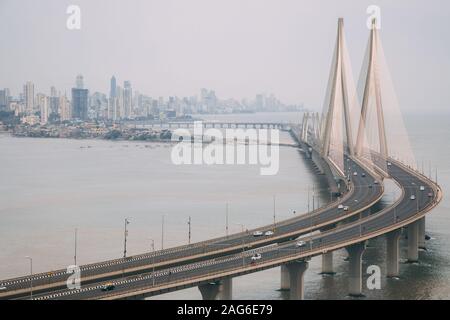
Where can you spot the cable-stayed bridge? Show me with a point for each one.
(352, 145)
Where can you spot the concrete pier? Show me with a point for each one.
(296, 279)
(413, 242)
(210, 291)
(421, 223)
(355, 253)
(393, 253)
(284, 283)
(327, 263)
(226, 289)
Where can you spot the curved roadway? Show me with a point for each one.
(359, 198)
(403, 213)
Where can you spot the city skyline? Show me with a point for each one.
(123, 102)
(175, 48)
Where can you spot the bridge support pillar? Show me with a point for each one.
(393, 253)
(422, 233)
(296, 275)
(413, 242)
(284, 285)
(355, 253)
(327, 263)
(209, 291)
(226, 289)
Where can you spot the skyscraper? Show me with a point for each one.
(80, 103)
(4, 99)
(127, 99)
(64, 108)
(28, 92)
(79, 82)
(43, 105)
(112, 92)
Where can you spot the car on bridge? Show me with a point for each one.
(422, 188)
(300, 244)
(257, 233)
(341, 206)
(413, 197)
(108, 287)
(346, 208)
(256, 257)
(268, 233)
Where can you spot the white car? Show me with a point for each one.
(413, 197)
(256, 256)
(268, 233)
(375, 182)
(346, 208)
(300, 244)
(341, 206)
(389, 164)
(257, 233)
(2, 288)
(422, 188)
(355, 173)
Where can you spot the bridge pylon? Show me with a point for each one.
(336, 128)
(372, 96)
(381, 131)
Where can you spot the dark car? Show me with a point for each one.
(108, 287)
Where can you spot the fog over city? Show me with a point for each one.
(238, 48)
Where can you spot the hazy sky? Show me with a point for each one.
(237, 47)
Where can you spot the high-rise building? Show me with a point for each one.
(43, 105)
(80, 103)
(127, 99)
(53, 92)
(112, 92)
(4, 99)
(79, 82)
(64, 108)
(119, 112)
(28, 92)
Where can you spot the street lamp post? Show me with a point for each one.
(125, 233)
(313, 198)
(189, 224)
(162, 233)
(31, 276)
(153, 261)
(75, 253)
(308, 198)
(274, 212)
(226, 219)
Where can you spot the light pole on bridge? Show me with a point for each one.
(162, 233)
(274, 212)
(153, 261)
(125, 233)
(75, 253)
(31, 276)
(226, 219)
(189, 235)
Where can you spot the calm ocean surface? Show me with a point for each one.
(49, 187)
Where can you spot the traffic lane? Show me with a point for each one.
(117, 265)
(406, 205)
